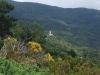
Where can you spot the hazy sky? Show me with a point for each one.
(94, 4)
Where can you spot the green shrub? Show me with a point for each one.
(10, 67)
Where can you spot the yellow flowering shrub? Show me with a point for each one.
(59, 58)
(10, 39)
(9, 48)
(48, 57)
(9, 43)
(33, 46)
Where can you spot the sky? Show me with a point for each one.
(92, 4)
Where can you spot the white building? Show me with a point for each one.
(50, 34)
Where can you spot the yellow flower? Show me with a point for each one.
(59, 58)
(14, 40)
(36, 50)
(48, 57)
(7, 39)
(11, 39)
(35, 47)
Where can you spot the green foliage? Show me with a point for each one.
(1, 43)
(29, 32)
(5, 7)
(69, 59)
(68, 66)
(10, 67)
(58, 47)
(74, 66)
(72, 53)
(90, 54)
(6, 22)
(39, 35)
(73, 25)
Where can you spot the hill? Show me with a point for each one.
(79, 26)
(27, 50)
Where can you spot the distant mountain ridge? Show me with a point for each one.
(80, 26)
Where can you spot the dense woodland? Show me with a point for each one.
(27, 49)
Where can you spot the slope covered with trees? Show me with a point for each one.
(28, 50)
(79, 26)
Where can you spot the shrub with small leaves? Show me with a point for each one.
(10, 67)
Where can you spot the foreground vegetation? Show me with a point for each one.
(25, 49)
(10, 67)
(29, 58)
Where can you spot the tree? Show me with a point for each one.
(6, 22)
(72, 53)
(38, 33)
(29, 32)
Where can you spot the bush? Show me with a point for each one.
(10, 67)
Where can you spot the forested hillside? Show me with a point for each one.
(27, 49)
(79, 26)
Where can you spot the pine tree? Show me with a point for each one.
(6, 22)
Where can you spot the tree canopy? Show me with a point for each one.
(6, 21)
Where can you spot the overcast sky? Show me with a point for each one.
(94, 4)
